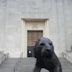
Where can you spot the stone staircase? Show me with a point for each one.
(66, 65)
(27, 65)
(8, 65)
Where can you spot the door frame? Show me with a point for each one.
(24, 33)
(30, 48)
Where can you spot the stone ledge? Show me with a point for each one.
(3, 57)
(68, 56)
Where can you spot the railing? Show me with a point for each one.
(18, 63)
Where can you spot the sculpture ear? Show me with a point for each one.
(51, 43)
(52, 46)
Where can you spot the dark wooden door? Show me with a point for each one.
(32, 37)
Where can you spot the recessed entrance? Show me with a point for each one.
(32, 30)
(32, 37)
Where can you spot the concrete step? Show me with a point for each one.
(27, 65)
(8, 65)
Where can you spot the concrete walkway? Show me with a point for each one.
(27, 65)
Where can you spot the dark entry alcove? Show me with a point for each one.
(32, 37)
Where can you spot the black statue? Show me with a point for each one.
(45, 56)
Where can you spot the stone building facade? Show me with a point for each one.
(18, 17)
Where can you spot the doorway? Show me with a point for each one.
(32, 37)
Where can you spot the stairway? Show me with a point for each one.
(27, 65)
(66, 65)
(8, 65)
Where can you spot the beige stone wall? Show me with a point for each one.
(59, 13)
